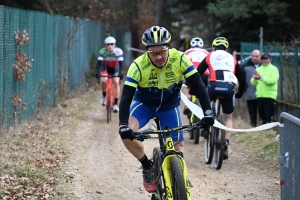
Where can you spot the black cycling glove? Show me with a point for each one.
(121, 76)
(126, 133)
(208, 119)
(97, 76)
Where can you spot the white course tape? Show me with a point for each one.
(199, 113)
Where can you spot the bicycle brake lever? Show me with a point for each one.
(198, 124)
(142, 137)
(192, 127)
(146, 136)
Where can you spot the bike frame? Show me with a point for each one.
(168, 150)
(109, 91)
(193, 99)
(167, 155)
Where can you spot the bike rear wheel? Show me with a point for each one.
(196, 132)
(219, 146)
(159, 193)
(108, 109)
(191, 134)
(177, 180)
(209, 147)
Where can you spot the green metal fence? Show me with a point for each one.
(62, 49)
(286, 59)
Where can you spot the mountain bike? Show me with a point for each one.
(170, 168)
(215, 140)
(194, 134)
(109, 98)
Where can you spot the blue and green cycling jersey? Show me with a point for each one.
(159, 88)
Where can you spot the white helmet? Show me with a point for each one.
(110, 40)
(197, 42)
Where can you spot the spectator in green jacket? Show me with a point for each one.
(265, 78)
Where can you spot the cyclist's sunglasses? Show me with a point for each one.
(161, 52)
(110, 44)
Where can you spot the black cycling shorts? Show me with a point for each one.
(113, 71)
(219, 89)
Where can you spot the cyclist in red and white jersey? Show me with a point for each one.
(225, 74)
(196, 54)
(110, 62)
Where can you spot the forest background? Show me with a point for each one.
(238, 20)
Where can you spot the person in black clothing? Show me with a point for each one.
(249, 68)
(184, 43)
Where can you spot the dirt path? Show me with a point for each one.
(103, 169)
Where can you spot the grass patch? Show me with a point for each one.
(261, 147)
(34, 158)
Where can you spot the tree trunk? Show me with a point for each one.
(158, 12)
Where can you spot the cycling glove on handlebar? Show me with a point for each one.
(126, 133)
(208, 119)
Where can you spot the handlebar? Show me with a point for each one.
(142, 135)
(108, 76)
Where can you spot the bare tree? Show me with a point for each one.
(158, 11)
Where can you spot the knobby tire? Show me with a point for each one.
(209, 147)
(196, 132)
(177, 180)
(160, 185)
(108, 109)
(220, 146)
(191, 134)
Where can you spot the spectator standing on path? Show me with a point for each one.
(265, 78)
(249, 68)
(184, 43)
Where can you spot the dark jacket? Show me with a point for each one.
(249, 69)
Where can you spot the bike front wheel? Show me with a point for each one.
(196, 132)
(157, 163)
(177, 180)
(191, 133)
(219, 146)
(209, 147)
(108, 108)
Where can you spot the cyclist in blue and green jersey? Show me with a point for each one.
(110, 61)
(154, 82)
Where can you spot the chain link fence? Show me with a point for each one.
(59, 50)
(289, 158)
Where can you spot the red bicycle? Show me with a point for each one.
(109, 98)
